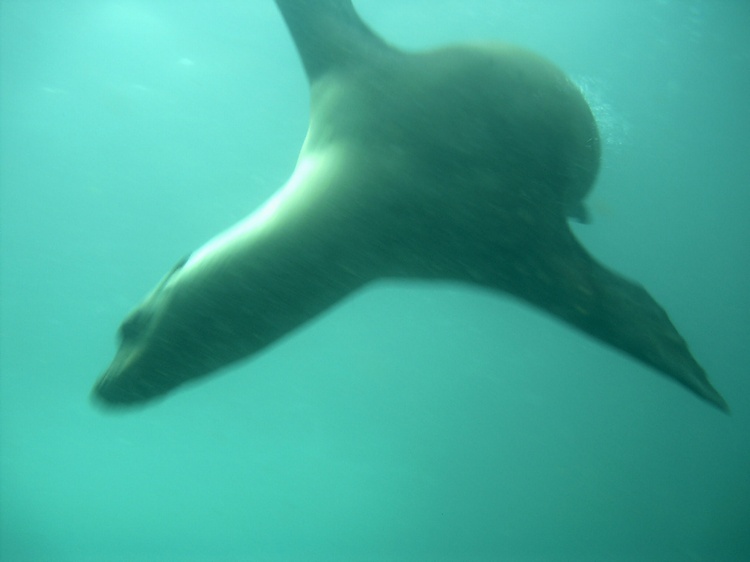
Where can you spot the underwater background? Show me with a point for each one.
(415, 421)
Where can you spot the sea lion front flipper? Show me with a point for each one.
(328, 34)
(569, 283)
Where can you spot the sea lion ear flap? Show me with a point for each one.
(329, 34)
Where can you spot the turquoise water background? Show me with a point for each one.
(415, 421)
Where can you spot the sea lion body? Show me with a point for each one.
(461, 163)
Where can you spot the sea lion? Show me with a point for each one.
(462, 163)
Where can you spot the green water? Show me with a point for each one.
(414, 421)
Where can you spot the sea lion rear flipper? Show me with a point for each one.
(579, 213)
